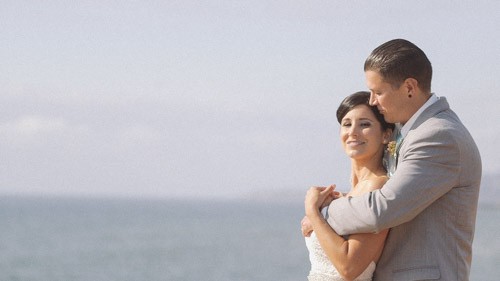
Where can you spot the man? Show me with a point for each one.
(430, 202)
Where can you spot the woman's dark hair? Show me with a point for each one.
(361, 98)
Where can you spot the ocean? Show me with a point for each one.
(50, 239)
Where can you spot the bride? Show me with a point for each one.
(364, 135)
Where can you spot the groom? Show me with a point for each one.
(430, 202)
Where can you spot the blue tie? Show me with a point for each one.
(399, 140)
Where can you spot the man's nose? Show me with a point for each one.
(372, 100)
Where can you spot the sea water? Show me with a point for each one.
(49, 239)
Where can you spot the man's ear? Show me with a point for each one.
(411, 85)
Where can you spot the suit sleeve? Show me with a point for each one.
(428, 168)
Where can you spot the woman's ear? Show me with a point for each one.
(386, 136)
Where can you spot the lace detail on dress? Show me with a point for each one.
(321, 267)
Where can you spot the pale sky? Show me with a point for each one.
(216, 98)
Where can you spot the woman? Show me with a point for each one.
(364, 135)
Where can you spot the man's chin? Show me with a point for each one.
(388, 119)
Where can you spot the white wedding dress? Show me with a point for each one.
(322, 268)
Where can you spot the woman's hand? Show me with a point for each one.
(306, 227)
(317, 198)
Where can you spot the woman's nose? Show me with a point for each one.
(353, 130)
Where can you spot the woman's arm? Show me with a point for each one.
(349, 256)
(352, 256)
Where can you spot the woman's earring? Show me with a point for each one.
(409, 95)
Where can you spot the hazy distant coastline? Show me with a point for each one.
(488, 196)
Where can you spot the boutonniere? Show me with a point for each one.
(391, 148)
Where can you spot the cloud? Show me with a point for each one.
(31, 126)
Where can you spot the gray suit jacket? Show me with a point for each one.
(430, 203)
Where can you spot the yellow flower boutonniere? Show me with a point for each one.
(391, 148)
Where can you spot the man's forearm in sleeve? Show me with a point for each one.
(352, 215)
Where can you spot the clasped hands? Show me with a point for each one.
(317, 197)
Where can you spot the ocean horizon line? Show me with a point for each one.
(291, 200)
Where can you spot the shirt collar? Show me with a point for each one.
(407, 126)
